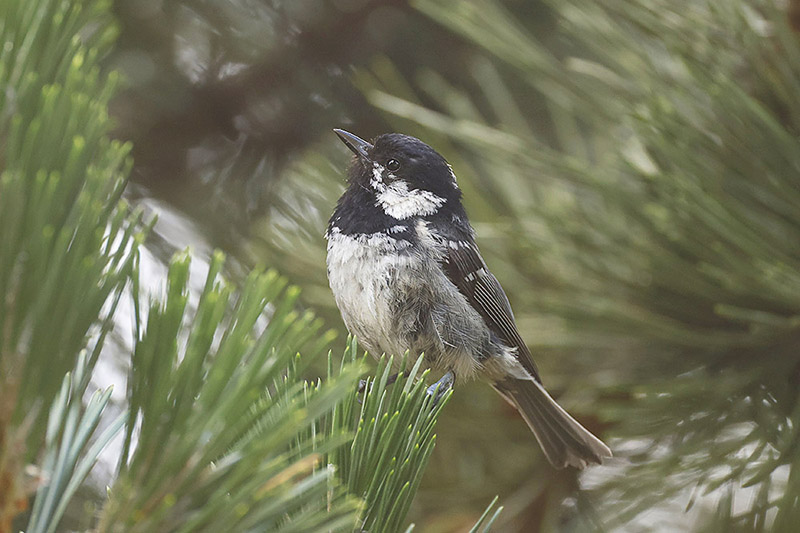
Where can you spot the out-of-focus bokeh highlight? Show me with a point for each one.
(630, 167)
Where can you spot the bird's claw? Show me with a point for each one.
(438, 389)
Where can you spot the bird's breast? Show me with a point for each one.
(394, 297)
(367, 273)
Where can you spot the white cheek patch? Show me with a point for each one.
(399, 202)
(377, 177)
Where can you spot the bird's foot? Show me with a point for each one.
(438, 389)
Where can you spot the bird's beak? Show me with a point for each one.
(359, 146)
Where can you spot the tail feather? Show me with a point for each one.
(564, 441)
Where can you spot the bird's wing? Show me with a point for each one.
(467, 270)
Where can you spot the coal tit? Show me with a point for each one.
(407, 276)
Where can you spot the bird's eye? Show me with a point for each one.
(393, 164)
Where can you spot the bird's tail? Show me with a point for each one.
(563, 440)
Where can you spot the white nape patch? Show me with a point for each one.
(453, 175)
(400, 202)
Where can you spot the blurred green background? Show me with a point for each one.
(631, 169)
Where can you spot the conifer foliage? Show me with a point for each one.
(66, 246)
(222, 432)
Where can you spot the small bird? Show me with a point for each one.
(407, 276)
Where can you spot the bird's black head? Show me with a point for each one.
(407, 177)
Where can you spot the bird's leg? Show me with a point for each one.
(362, 383)
(444, 384)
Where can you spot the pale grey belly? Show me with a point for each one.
(395, 303)
(363, 277)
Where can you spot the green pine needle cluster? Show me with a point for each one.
(221, 430)
(393, 440)
(67, 246)
(215, 447)
(68, 457)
